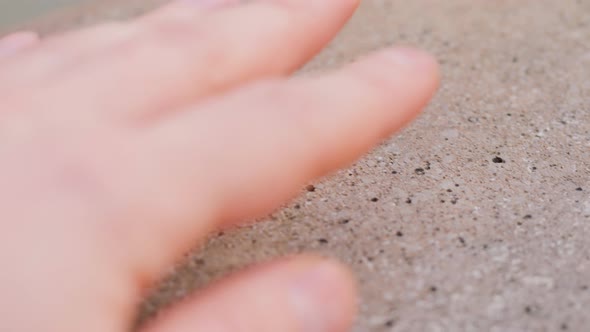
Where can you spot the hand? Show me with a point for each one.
(124, 144)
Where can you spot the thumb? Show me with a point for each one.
(303, 294)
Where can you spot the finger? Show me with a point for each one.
(243, 155)
(17, 42)
(300, 295)
(75, 48)
(185, 59)
(175, 58)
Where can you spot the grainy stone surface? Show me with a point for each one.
(477, 216)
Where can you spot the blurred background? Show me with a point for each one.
(14, 11)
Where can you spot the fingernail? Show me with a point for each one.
(211, 4)
(408, 56)
(319, 298)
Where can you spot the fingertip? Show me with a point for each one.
(424, 63)
(333, 289)
(419, 66)
(321, 293)
(403, 80)
(296, 294)
(18, 41)
(424, 69)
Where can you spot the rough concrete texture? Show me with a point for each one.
(477, 216)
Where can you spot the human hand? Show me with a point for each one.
(124, 144)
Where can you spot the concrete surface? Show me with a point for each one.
(441, 237)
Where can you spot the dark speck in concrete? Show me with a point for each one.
(420, 171)
(433, 289)
(564, 327)
(394, 172)
(528, 216)
(297, 206)
(344, 221)
(528, 309)
(462, 240)
(409, 201)
(498, 160)
(389, 323)
(399, 234)
(323, 241)
(374, 199)
(310, 188)
(579, 189)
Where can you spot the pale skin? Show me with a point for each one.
(125, 144)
